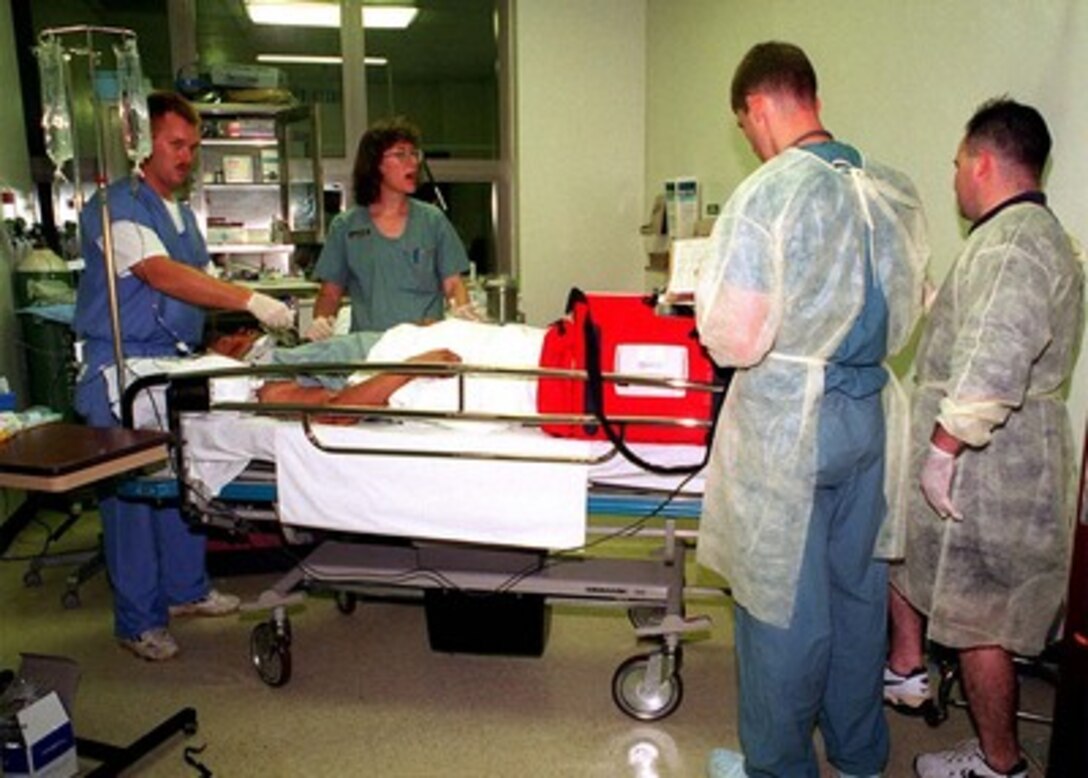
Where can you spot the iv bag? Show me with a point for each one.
(56, 113)
(135, 126)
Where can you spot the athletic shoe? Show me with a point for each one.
(155, 645)
(212, 604)
(724, 763)
(964, 761)
(907, 693)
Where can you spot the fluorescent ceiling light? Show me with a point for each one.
(389, 17)
(315, 59)
(295, 14)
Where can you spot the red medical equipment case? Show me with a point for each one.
(625, 333)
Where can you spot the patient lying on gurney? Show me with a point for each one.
(367, 389)
(448, 342)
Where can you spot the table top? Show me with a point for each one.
(60, 456)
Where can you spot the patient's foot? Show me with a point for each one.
(214, 603)
(154, 645)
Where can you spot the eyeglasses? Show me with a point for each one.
(403, 155)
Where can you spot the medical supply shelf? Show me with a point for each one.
(259, 190)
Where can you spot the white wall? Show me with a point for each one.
(899, 79)
(580, 150)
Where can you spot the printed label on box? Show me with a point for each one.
(50, 750)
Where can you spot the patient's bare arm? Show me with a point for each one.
(290, 392)
(374, 392)
(377, 390)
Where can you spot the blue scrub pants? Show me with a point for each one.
(153, 558)
(826, 668)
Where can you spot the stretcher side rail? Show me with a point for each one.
(411, 414)
(431, 370)
(191, 391)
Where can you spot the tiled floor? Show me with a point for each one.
(369, 698)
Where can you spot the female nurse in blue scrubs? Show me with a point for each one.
(398, 259)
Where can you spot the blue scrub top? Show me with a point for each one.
(392, 281)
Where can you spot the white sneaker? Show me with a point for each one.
(213, 603)
(155, 645)
(964, 761)
(907, 693)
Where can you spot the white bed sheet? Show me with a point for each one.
(540, 505)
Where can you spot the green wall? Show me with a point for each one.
(898, 79)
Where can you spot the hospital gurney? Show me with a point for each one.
(347, 486)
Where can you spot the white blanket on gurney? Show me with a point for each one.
(535, 504)
(511, 345)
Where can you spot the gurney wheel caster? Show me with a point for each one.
(346, 602)
(270, 653)
(70, 600)
(637, 696)
(32, 578)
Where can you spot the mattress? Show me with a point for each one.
(423, 480)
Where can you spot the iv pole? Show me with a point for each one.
(101, 175)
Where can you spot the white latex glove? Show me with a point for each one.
(938, 472)
(270, 312)
(320, 328)
(467, 312)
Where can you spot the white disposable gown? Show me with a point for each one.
(998, 346)
(782, 287)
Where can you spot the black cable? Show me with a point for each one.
(189, 756)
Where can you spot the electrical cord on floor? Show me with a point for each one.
(190, 755)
